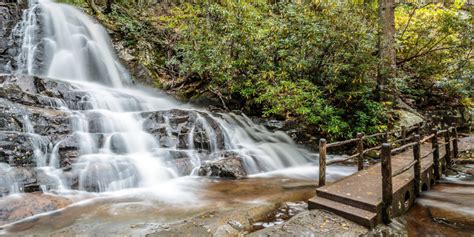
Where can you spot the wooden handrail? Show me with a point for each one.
(331, 162)
(442, 131)
(374, 135)
(427, 138)
(450, 135)
(404, 169)
(402, 148)
(403, 139)
(345, 142)
(428, 154)
(373, 148)
(334, 144)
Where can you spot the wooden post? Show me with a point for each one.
(417, 167)
(455, 143)
(386, 182)
(360, 150)
(418, 129)
(447, 157)
(322, 162)
(385, 137)
(404, 135)
(435, 146)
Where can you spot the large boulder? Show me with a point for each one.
(408, 119)
(229, 165)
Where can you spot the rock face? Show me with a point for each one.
(185, 129)
(30, 124)
(10, 14)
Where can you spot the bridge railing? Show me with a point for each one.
(450, 137)
(400, 137)
(414, 141)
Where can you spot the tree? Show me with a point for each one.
(387, 69)
(93, 7)
(108, 6)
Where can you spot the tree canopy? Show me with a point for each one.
(316, 62)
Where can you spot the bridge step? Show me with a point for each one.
(322, 192)
(359, 216)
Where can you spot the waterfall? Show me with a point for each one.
(115, 124)
(69, 44)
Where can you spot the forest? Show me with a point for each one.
(335, 66)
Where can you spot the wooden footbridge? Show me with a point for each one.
(409, 165)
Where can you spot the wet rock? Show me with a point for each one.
(94, 174)
(117, 144)
(15, 208)
(229, 166)
(184, 166)
(185, 129)
(55, 127)
(314, 222)
(274, 124)
(42, 92)
(10, 15)
(69, 148)
(236, 225)
(17, 148)
(14, 179)
(372, 154)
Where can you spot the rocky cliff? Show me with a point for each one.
(10, 14)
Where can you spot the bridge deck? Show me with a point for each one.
(363, 189)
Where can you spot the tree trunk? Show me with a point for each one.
(93, 7)
(386, 47)
(108, 7)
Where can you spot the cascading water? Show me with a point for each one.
(70, 45)
(113, 124)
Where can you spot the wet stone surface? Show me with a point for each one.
(227, 165)
(174, 128)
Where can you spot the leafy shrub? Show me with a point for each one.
(317, 66)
